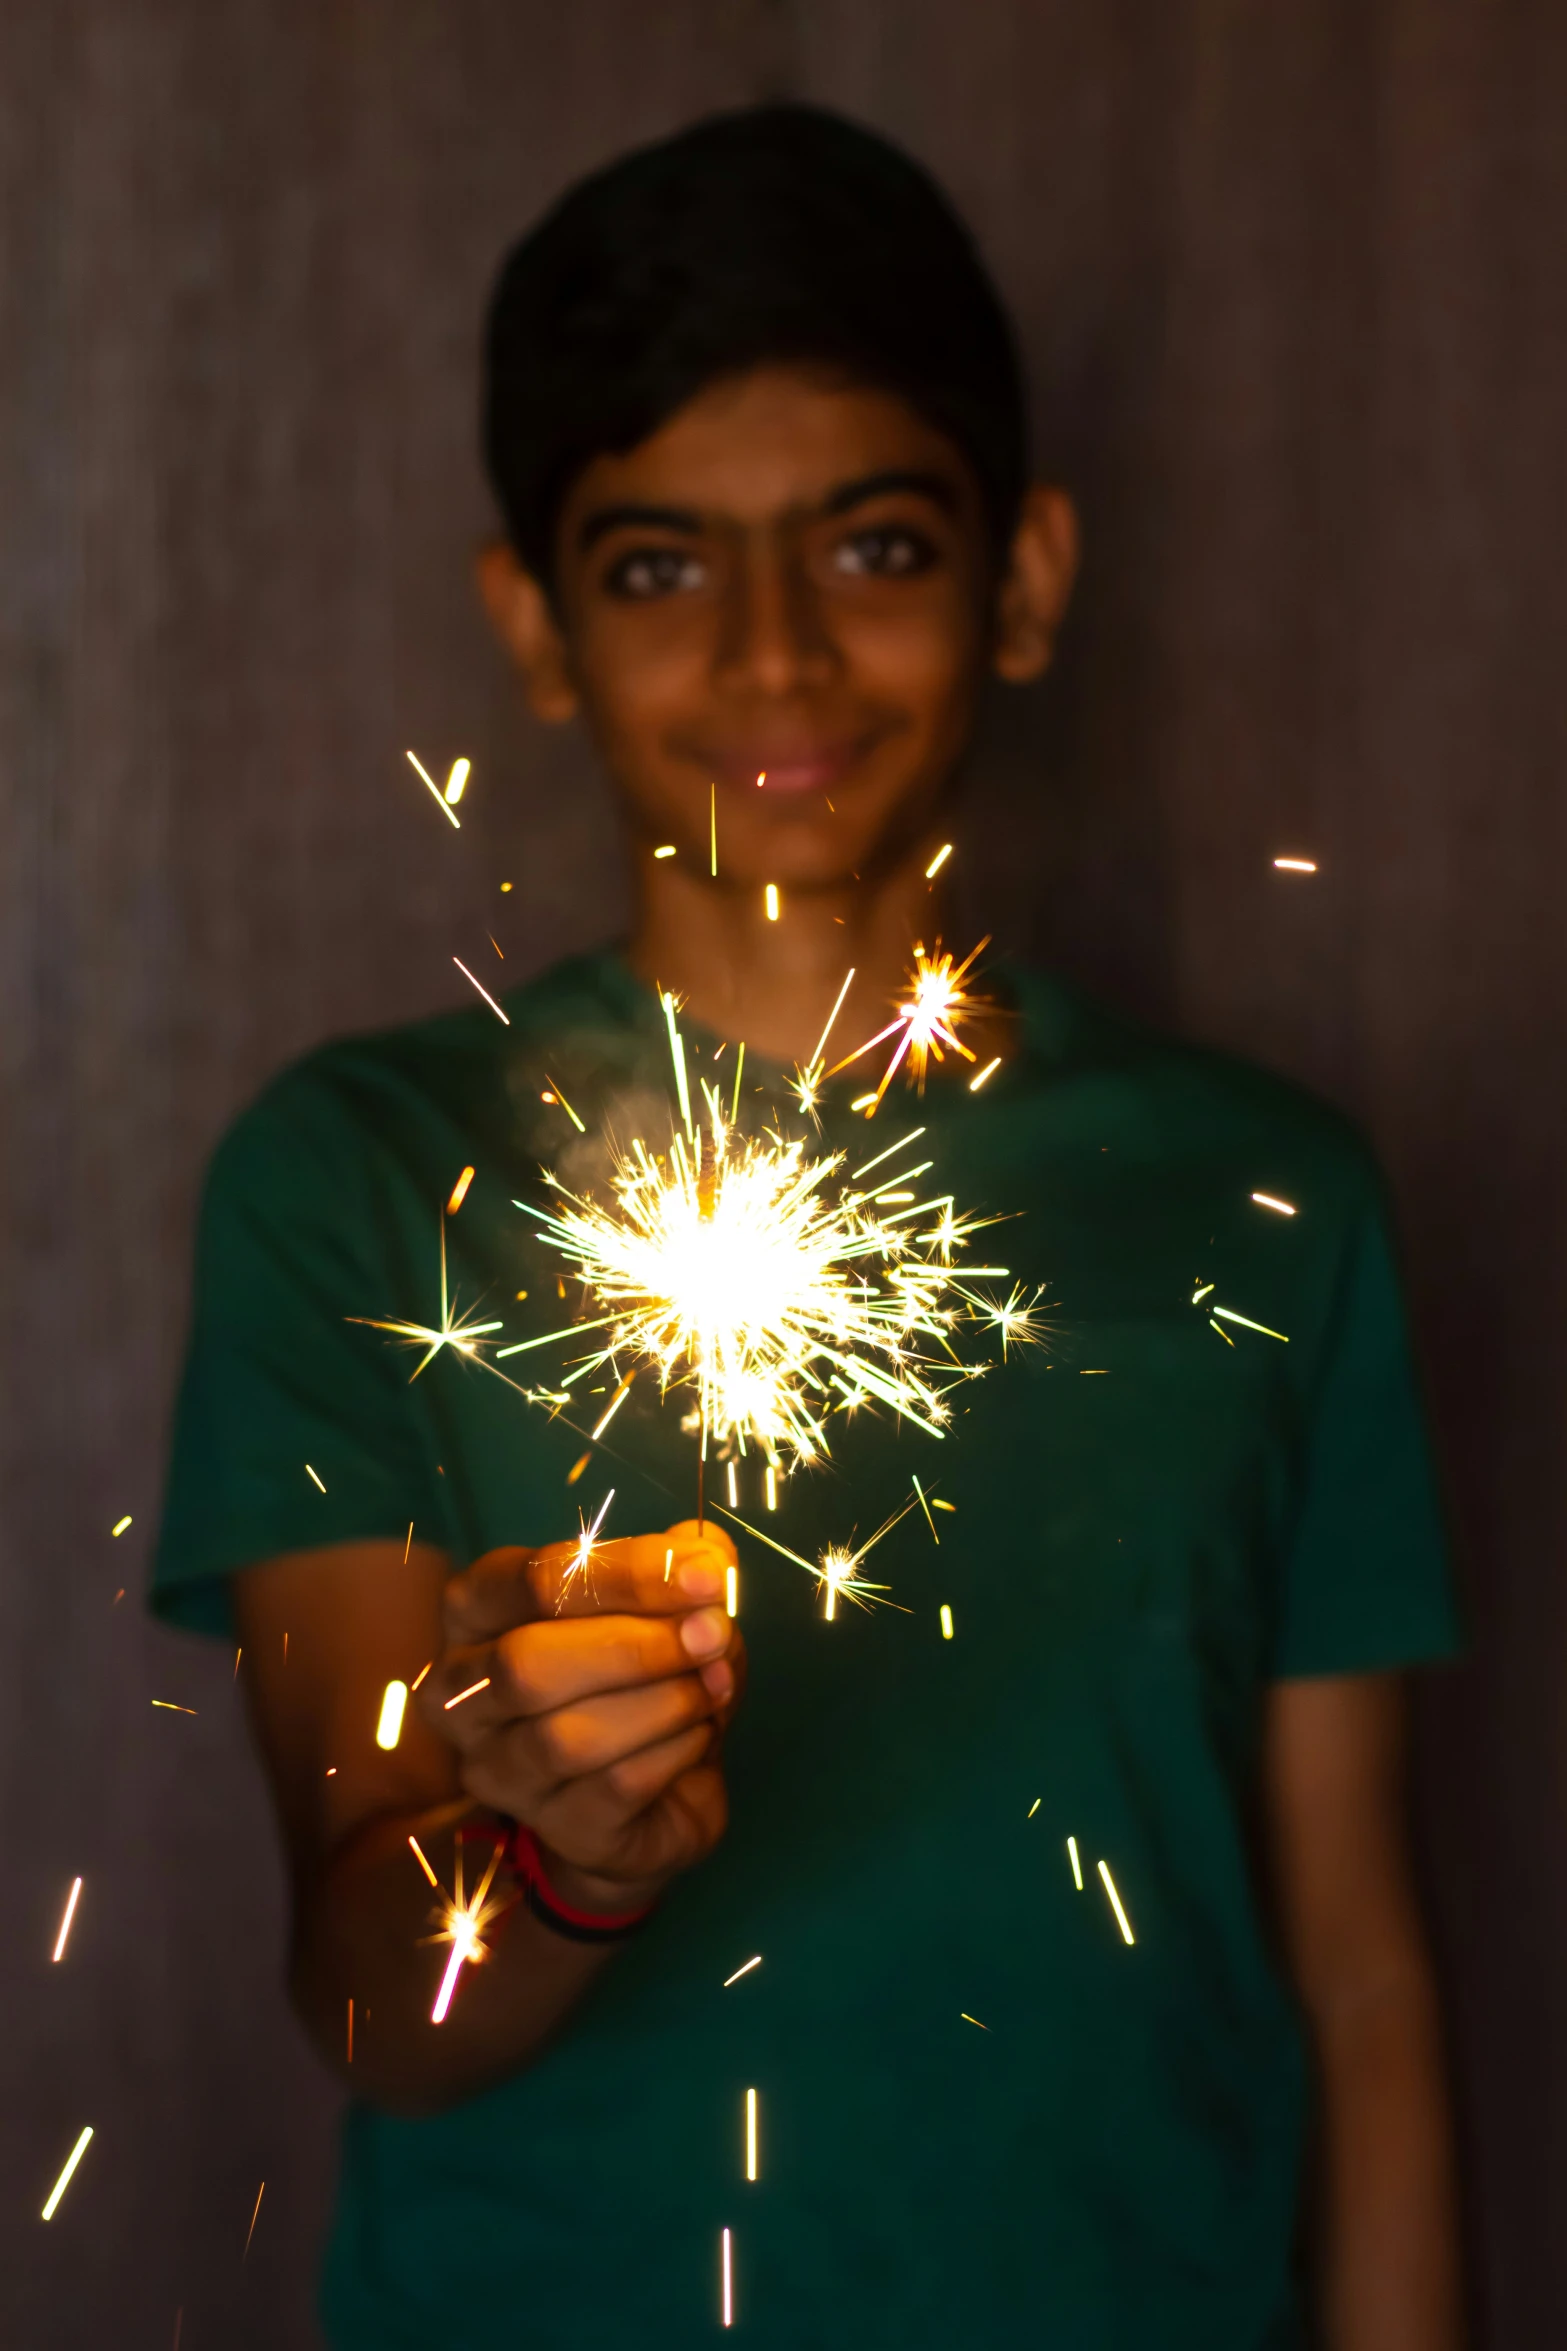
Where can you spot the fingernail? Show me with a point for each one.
(718, 1679)
(701, 1578)
(704, 1634)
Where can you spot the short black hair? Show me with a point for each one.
(781, 233)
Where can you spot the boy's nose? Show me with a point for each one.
(774, 639)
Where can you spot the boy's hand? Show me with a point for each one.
(607, 1691)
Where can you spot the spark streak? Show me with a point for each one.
(727, 2289)
(64, 2180)
(255, 2216)
(1295, 864)
(463, 1336)
(1077, 1866)
(740, 1971)
(503, 1017)
(437, 795)
(120, 1525)
(938, 861)
(1267, 1200)
(750, 2135)
(459, 1191)
(315, 1481)
(65, 1924)
(389, 1729)
(472, 1691)
(1121, 1919)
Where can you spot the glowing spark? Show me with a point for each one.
(472, 1691)
(419, 1676)
(728, 2288)
(925, 1506)
(938, 861)
(770, 901)
(946, 1622)
(503, 1017)
(750, 2134)
(731, 1591)
(770, 1486)
(443, 1998)
(436, 793)
(808, 1079)
(418, 1854)
(865, 1102)
(669, 1561)
(407, 1547)
(1034, 1807)
(837, 1571)
(740, 1971)
(120, 1525)
(1295, 864)
(988, 1071)
(169, 1706)
(1228, 1314)
(581, 1558)
(255, 2216)
(461, 770)
(555, 1095)
(761, 779)
(505, 886)
(667, 851)
(313, 1478)
(734, 1490)
(967, 2019)
(1121, 1919)
(613, 1406)
(771, 1283)
(712, 826)
(1202, 1291)
(65, 1924)
(463, 1336)
(390, 1727)
(64, 2180)
(459, 1191)
(1266, 1200)
(577, 1468)
(1077, 1866)
(925, 1020)
(350, 2059)
(463, 1925)
(1223, 1333)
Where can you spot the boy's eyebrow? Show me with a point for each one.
(686, 521)
(637, 518)
(934, 486)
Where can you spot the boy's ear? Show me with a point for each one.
(521, 617)
(1037, 587)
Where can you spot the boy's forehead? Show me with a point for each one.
(753, 448)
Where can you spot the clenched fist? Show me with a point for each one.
(607, 1691)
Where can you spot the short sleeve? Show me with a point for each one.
(290, 1430)
(1366, 1582)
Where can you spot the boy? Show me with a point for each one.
(757, 429)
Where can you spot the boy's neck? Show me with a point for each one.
(774, 983)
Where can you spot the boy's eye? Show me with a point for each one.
(654, 571)
(890, 551)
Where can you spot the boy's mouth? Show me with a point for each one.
(781, 766)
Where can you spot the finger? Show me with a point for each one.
(542, 1666)
(659, 1811)
(651, 1574)
(655, 1574)
(521, 1765)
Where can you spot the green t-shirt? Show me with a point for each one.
(1154, 1515)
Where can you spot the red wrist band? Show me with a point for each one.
(578, 1926)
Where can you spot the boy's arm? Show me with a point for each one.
(598, 1728)
(1334, 1778)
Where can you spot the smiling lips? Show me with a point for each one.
(801, 767)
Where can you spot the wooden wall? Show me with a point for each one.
(1290, 277)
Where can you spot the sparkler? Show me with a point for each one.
(924, 1021)
(776, 1287)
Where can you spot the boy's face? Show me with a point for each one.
(790, 581)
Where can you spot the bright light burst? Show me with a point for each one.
(463, 1924)
(459, 1332)
(772, 1285)
(925, 1019)
(838, 1569)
